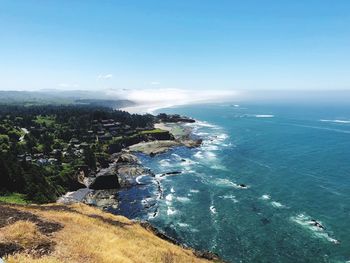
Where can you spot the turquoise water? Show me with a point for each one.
(295, 162)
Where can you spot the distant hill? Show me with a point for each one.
(57, 97)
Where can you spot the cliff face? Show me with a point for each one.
(80, 233)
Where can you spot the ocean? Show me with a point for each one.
(251, 191)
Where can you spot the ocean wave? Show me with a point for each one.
(212, 209)
(170, 211)
(231, 197)
(199, 155)
(176, 156)
(165, 163)
(216, 139)
(172, 190)
(310, 224)
(183, 199)
(264, 116)
(183, 225)
(187, 162)
(219, 167)
(321, 128)
(138, 179)
(337, 121)
(202, 133)
(277, 204)
(226, 182)
(152, 215)
(222, 136)
(210, 155)
(169, 197)
(210, 147)
(188, 170)
(203, 124)
(195, 191)
(265, 197)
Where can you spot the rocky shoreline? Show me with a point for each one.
(103, 188)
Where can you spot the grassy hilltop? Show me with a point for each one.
(80, 233)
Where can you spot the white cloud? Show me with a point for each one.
(155, 83)
(105, 76)
(150, 99)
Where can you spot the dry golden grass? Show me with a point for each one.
(24, 233)
(92, 236)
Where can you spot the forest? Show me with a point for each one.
(43, 146)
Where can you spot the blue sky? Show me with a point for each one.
(182, 44)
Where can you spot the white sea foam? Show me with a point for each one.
(202, 133)
(210, 155)
(337, 121)
(152, 215)
(199, 155)
(222, 136)
(265, 197)
(188, 170)
(277, 204)
(171, 211)
(226, 182)
(158, 176)
(264, 116)
(212, 209)
(194, 191)
(183, 199)
(172, 190)
(164, 163)
(318, 232)
(218, 167)
(210, 147)
(169, 197)
(176, 156)
(187, 162)
(183, 225)
(321, 128)
(204, 124)
(231, 197)
(138, 178)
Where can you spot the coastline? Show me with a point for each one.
(110, 200)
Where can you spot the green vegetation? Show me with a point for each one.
(14, 198)
(44, 148)
(45, 120)
(152, 131)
